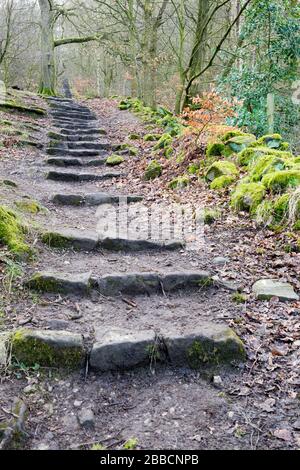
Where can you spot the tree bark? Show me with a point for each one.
(48, 75)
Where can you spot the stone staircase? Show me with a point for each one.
(78, 142)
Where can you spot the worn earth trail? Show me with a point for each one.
(138, 335)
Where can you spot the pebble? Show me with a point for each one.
(86, 418)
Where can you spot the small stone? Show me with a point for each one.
(217, 381)
(86, 418)
(220, 261)
(265, 289)
(77, 403)
(58, 324)
(30, 389)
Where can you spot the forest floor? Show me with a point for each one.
(252, 406)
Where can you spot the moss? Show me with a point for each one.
(134, 137)
(270, 140)
(231, 134)
(209, 352)
(222, 182)
(221, 168)
(114, 160)
(129, 148)
(131, 444)
(153, 170)
(152, 137)
(264, 213)
(10, 105)
(30, 349)
(249, 155)
(239, 298)
(210, 216)
(268, 164)
(164, 141)
(168, 152)
(56, 240)
(239, 143)
(10, 183)
(215, 149)
(29, 206)
(247, 196)
(180, 182)
(193, 168)
(42, 284)
(282, 180)
(12, 233)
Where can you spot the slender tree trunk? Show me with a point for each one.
(48, 74)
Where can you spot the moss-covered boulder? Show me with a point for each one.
(114, 160)
(221, 168)
(126, 148)
(249, 155)
(180, 182)
(239, 143)
(12, 233)
(153, 170)
(272, 141)
(48, 348)
(282, 180)
(152, 137)
(222, 182)
(231, 134)
(215, 149)
(268, 164)
(134, 136)
(247, 196)
(164, 141)
(210, 216)
(193, 168)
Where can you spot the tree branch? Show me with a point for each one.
(79, 40)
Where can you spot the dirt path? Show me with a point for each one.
(159, 400)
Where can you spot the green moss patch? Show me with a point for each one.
(222, 182)
(115, 160)
(268, 164)
(152, 137)
(30, 206)
(12, 233)
(251, 154)
(210, 216)
(153, 170)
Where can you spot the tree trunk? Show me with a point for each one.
(271, 112)
(48, 75)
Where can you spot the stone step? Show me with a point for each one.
(73, 115)
(67, 162)
(84, 153)
(62, 107)
(59, 349)
(73, 123)
(93, 199)
(79, 177)
(79, 145)
(207, 344)
(116, 284)
(88, 241)
(204, 346)
(59, 137)
(81, 131)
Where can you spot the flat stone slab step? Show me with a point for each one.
(206, 345)
(69, 114)
(93, 199)
(59, 349)
(82, 131)
(88, 241)
(265, 289)
(104, 145)
(116, 284)
(79, 177)
(84, 153)
(67, 162)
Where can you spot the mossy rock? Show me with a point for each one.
(247, 196)
(12, 233)
(153, 170)
(221, 168)
(268, 164)
(152, 137)
(134, 136)
(210, 216)
(282, 180)
(115, 160)
(249, 155)
(215, 149)
(193, 168)
(168, 152)
(222, 182)
(239, 143)
(180, 182)
(11, 105)
(272, 141)
(48, 349)
(30, 206)
(164, 141)
(10, 183)
(232, 134)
